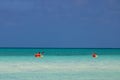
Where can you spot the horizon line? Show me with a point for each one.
(60, 47)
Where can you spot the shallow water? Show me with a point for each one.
(82, 67)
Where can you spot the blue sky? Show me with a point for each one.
(60, 23)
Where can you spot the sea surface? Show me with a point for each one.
(59, 64)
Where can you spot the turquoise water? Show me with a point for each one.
(59, 64)
(56, 51)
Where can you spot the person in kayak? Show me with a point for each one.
(94, 55)
(39, 55)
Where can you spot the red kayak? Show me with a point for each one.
(38, 55)
(94, 55)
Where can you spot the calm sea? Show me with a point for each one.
(59, 64)
(57, 51)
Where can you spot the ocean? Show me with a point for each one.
(59, 64)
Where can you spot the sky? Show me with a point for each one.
(60, 23)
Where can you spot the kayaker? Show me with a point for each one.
(94, 55)
(38, 55)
